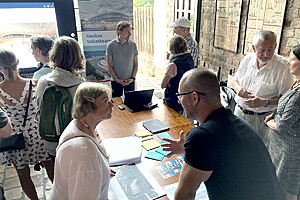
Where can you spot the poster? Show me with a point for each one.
(264, 15)
(98, 20)
(228, 16)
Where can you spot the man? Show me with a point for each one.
(41, 46)
(122, 60)
(260, 80)
(224, 152)
(182, 27)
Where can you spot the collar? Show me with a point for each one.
(188, 37)
(119, 41)
(266, 66)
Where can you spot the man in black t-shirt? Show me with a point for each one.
(224, 152)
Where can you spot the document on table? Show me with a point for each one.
(133, 182)
(201, 193)
(125, 150)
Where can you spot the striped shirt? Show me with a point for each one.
(193, 47)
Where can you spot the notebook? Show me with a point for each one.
(155, 126)
(136, 101)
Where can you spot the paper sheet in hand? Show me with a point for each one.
(125, 150)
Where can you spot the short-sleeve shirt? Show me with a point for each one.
(193, 47)
(122, 57)
(240, 163)
(270, 81)
(3, 118)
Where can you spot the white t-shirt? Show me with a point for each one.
(81, 168)
(270, 81)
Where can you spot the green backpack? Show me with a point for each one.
(55, 112)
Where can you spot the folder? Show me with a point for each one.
(155, 126)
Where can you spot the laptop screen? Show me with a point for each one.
(141, 97)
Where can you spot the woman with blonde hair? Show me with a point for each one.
(68, 62)
(81, 164)
(14, 93)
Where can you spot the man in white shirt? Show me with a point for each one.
(182, 27)
(262, 77)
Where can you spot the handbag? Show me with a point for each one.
(16, 142)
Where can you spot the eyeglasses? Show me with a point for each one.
(185, 93)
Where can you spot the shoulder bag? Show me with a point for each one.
(16, 142)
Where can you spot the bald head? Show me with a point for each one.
(202, 80)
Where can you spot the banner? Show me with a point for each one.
(98, 21)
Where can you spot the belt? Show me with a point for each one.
(249, 112)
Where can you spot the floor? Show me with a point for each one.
(8, 175)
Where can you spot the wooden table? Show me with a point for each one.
(124, 123)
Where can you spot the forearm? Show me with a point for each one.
(236, 86)
(135, 68)
(112, 72)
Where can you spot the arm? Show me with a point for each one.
(189, 181)
(242, 92)
(170, 73)
(260, 102)
(111, 69)
(135, 66)
(6, 130)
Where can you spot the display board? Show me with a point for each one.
(228, 17)
(98, 22)
(264, 15)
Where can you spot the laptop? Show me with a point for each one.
(140, 100)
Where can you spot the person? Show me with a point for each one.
(180, 62)
(284, 146)
(41, 46)
(5, 124)
(224, 152)
(13, 99)
(262, 77)
(81, 164)
(122, 60)
(181, 26)
(68, 61)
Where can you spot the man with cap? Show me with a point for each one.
(182, 27)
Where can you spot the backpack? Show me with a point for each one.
(55, 112)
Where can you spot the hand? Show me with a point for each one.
(128, 81)
(268, 118)
(244, 93)
(175, 146)
(112, 172)
(168, 55)
(255, 102)
(272, 124)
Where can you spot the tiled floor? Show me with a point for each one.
(9, 178)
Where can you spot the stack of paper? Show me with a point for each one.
(125, 150)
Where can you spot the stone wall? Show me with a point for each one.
(214, 58)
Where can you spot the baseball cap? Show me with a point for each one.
(183, 22)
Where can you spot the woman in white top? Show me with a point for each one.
(81, 163)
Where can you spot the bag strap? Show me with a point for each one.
(28, 101)
(104, 154)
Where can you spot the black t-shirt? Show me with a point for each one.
(3, 118)
(241, 165)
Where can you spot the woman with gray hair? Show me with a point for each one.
(180, 62)
(81, 163)
(14, 92)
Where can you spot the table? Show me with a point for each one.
(124, 123)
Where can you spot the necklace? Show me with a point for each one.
(85, 124)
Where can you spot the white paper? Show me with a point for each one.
(134, 183)
(125, 150)
(201, 193)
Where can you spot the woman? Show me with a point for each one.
(13, 99)
(68, 61)
(180, 62)
(284, 144)
(81, 164)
